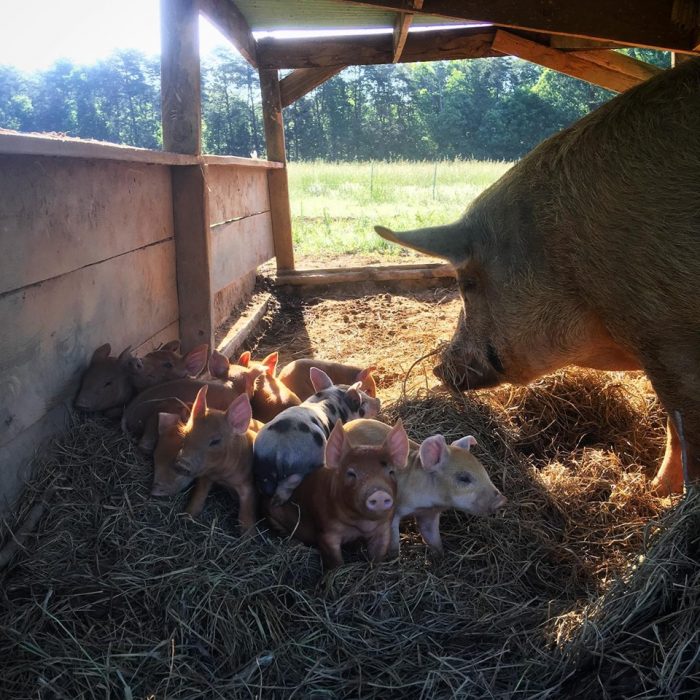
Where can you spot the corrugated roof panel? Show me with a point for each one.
(270, 15)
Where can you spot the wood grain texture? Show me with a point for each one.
(229, 20)
(60, 214)
(56, 325)
(228, 301)
(302, 81)
(235, 192)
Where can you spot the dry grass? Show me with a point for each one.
(585, 586)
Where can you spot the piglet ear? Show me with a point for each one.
(172, 346)
(432, 452)
(218, 365)
(353, 397)
(319, 379)
(335, 446)
(239, 414)
(196, 360)
(396, 445)
(125, 355)
(102, 352)
(199, 407)
(270, 363)
(367, 381)
(244, 359)
(251, 378)
(465, 443)
(166, 421)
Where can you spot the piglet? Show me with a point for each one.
(217, 448)
(292, 444)
(166, 364)
(269, 397)
(295, 376)
(438, 476)
(351, 498)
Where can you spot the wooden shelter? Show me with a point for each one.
(105, 243)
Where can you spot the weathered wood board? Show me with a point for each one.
(61, 214)
(235, 192)
(51, 329)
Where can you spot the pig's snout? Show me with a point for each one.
(379, 502)
(463, 379)
(159, 490)
(499, 500)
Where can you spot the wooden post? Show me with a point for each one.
(277, 181)
(181, 105)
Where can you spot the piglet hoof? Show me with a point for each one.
(392, 555)
(436, 553)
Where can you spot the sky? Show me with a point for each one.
(36, 33)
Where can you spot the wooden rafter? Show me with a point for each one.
(229, 20)
(401, 26)
(565, 62)
(301, 81)
(629, 22)
(450, 44)
(620, 63)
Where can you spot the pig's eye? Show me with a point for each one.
(464, 478)
(214, 441)
(467, 284)
(351, 473)
(109, 383)
(168, 365)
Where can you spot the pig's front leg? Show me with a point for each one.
(395, 539)
(199, 494)
(378, 543)
(247, 511)
(669, 478)
(149, 438)
(429, 528)
(329, 544)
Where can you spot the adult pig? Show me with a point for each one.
(350, 498)
(438, 476)
(587, 252)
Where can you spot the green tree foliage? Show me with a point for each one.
(496, 108)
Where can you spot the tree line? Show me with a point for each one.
(496, 108)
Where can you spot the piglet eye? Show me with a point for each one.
(351, 473)
(464, 478)
(109, 383)
(168, 365)
(392, 472)
(214, 441)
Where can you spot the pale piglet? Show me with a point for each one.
(110, 382)
(217, 448)
(292, 445)
(438, 477)
(295, 376)
(351, 498)
(269, 397)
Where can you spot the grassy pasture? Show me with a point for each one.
(336, 205)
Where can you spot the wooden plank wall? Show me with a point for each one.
(86, 257)
(241, 228)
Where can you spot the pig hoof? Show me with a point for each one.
(666, 487)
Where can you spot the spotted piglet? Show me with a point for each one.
(292, 444)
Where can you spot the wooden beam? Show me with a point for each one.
(401, 26)
(574, 43)
(180, 77)
(446, 45)
(562, 61)
(629, 22)
(277, 182)
(385, 273)
(304, 80)
(193, 255)
(620, 63)
(229, 20)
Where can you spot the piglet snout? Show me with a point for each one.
(379, 501)
(499, 500)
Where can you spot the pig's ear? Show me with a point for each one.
(196, 360)
(199, 407)
(102, 352)
(251, 379)
(239, 414)
(125, 355)
(367, 380)
(167, 420)
(244, 358)
(353, 397)
(465, 443)
(270, 363)
(319, 379)
(218, 365)
(449, 242)
(396, 444)
(432, 452)
(335, 446)
(172, 346)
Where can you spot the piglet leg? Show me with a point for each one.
(378, 543)
(247, 515)
(331, 556)
(429, 528)
(395, 540)
(199, 494)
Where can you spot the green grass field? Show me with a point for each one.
(336, 205)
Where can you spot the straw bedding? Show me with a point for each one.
(585, 586)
